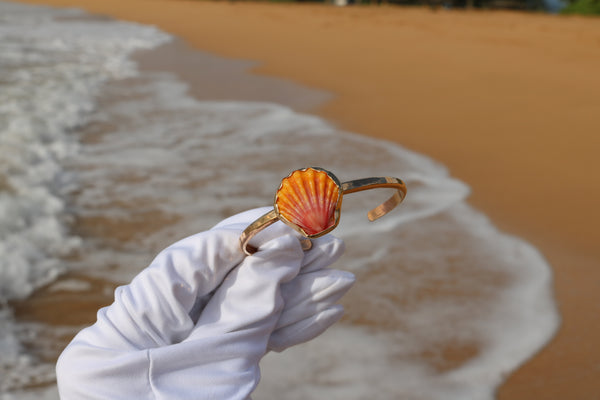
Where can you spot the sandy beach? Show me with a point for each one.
(507, 101)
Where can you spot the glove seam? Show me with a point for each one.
(150, 367)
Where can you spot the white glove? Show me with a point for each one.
(146, 345)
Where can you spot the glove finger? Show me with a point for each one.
(153, 310)
(250, 295)
(198, 263)
(311, 293)
(305, 330)
(324, 252)
(272, 232)
(236, 224)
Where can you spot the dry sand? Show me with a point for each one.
(508, 101)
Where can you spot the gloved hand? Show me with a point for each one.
(148, 345)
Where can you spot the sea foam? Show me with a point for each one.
(51, 71)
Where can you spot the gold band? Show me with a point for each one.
(357, 185)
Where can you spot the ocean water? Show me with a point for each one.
(103, 164)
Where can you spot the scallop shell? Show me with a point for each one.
(309, 200)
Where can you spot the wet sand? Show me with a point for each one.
(508, 101)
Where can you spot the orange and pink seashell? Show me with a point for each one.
(309, 200)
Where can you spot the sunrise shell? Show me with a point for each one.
(309, 200)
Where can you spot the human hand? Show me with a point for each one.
(152, 342)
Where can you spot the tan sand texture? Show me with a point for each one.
(508, 101)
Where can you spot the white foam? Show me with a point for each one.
(17, 367)
(45, 393)
(71, 285)
(51, 71)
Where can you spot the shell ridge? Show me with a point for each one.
(302, 196)
(332, 195)
(291, 189)
(310, 215)
(293, 206)
(324, 203)
(320, 202)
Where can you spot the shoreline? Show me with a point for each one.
(222, 77)
(560, 236)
